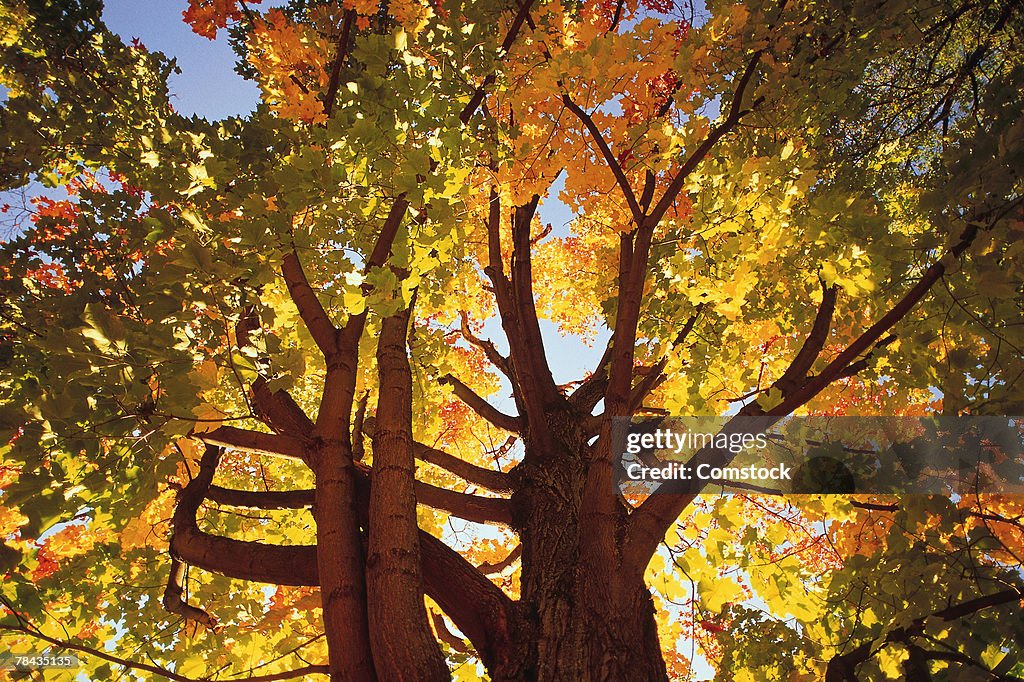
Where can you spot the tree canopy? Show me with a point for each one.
(274, 395)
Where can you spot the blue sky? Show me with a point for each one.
(207, 84)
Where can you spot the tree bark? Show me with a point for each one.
(404, 647)
(340, 566)
(575, 620)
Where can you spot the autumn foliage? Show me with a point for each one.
(281, 394)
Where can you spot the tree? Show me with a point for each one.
(248, 356)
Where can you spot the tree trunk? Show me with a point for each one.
(574, 621)
(581, 636)
(404, 648)
(339, 553)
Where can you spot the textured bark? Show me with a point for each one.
(341, 570)
(566, 602)
(599, 640)
(575, 620)
(585, 612)
(404, 648)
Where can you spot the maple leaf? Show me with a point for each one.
(206, 17)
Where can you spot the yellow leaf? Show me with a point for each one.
(716, 593)
(890, 661)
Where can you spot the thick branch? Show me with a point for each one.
(191, 497)
(498, 481)
(481, 406)
(463, 505)
(279, 410)
(382, 247)
(609, 158)
(404, 646)
(248, 322)
(359, 429)
(634, 253)
(255, 561)
(862, 343)
(601, 507)
(495, 271)
(589, 393)
(656, 375)
(338, 396)
(535, 387)
(530, 357)
(344, 41)
(174, 598)
(855, 368)
(276, 409)
(616, 18)
(246, 560)
(649, 522)
(263, 499)
(254, 441)
(797, 371)
(477, 607)
(311, 311)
